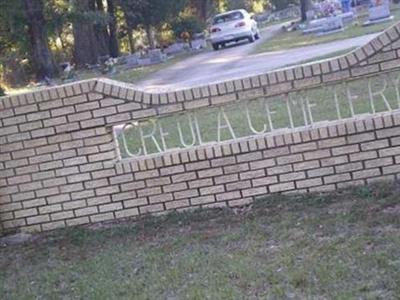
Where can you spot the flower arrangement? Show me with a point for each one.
(109, 65)
(327, 8)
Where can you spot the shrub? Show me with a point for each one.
(185, 27)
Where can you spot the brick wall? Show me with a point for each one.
(59, 165)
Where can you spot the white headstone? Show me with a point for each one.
(379, 12)
(332, 23)
(175, 48)
(132, 60)
(156, 56)
(310, 15)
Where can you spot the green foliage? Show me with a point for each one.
(2, 91)
(238, 4)
(12, 27)
(189, 24)
(255, 6)
(152, 12)
(282, 4)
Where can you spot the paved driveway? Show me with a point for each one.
(236, 62)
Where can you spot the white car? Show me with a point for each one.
(233, 26)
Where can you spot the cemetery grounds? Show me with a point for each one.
(295, 39)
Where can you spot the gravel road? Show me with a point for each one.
(237, 61)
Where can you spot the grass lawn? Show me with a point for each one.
(136, 74)
(323, 57)
(287, 40)
(344, 245)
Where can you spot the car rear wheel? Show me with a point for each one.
(215, 46)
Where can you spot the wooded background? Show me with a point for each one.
(36, 36)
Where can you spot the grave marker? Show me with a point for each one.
(379, 12)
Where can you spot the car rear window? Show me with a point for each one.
(237, 15)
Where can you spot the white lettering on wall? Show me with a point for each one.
(150, 136)
(224, 124)
(250, 122)
(379, 93)
(258, 116)
(181, 137)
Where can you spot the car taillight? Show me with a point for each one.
(215, 29)
(240, 24)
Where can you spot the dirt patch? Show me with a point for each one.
(392, 210)
(16, 239)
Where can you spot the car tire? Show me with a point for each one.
(257, 36)
(251, 39)
(215, 46)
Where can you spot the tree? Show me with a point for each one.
(201, 8)
(304, 7)
(90, 36)
(282, 4)
(151, 13)
(238, 4)
(41, 56)
(14, 44)
(187, 24)
(100, 22)
(112, 23)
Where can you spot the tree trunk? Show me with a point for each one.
(42, 58)
(304, 7)
(113, 45)
(86, 48)
(150, 36)
(102, 36)
(130, 39)
(201, 7)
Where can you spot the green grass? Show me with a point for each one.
(323, 57)
(295, 39)
(338, 246)
(137, 74)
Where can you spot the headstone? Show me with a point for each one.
(156, 56)
(310, 15)
(144, 61)
(325, 26)
(379, 12)
(132, 60)
(199, 44)
(347, 18)
(332, 24)
(175, 48)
